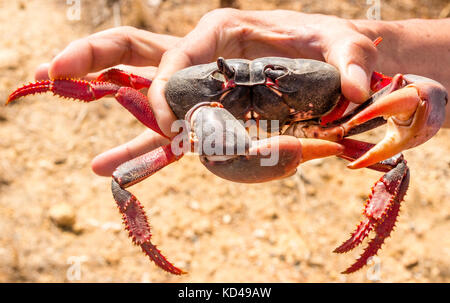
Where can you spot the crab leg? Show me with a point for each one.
(130, 98)
(382, 206)
(414, 108)
(130, 172)
(123, 78)
(134, 216)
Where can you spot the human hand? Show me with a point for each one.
(226, 32)
(84, 58)
(233, 33)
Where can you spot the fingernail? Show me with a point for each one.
(41, 72)
(360, 80)
(54, 70)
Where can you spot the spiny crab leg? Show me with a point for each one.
(122, 87)
(382, 206)
(414, 108)
(133, 214)
(123, 78)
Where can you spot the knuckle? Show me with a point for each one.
(220, 16)
(116, 31)
(360, 49)
(126, 29)
(362, 45)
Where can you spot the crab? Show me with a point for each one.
(214, 103)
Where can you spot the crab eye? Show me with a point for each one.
(225, 68)
(274, 72)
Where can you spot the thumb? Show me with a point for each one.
(172, 61)
(355, 58)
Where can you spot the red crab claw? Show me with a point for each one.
(414, 108)
(228, 152)
(382, 206)
(116, 83)
(270, 159)
(414, 114)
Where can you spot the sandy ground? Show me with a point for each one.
(282, 231)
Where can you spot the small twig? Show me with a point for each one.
(116, 14)
(300, 186)
(229, 3)
(80, 117)
(445, 12)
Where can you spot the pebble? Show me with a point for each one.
(316, 162)
(290, 183)
(411, 263)
(315, 261)
(63, 215)
(270, 213)
(226, 219)
(154, 3)
(202, 226)
(112, 258)
(194, 205)
(259, 233)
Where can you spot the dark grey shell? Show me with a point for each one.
(308, 87)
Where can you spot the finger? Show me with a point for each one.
(105, 163)
(122, 45)
(355, 58)
(148, 72)
(172, 61)
(197, 47)
(41, 72)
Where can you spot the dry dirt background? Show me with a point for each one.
(283, 231)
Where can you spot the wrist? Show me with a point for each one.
(390, 60)
(375, 28)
